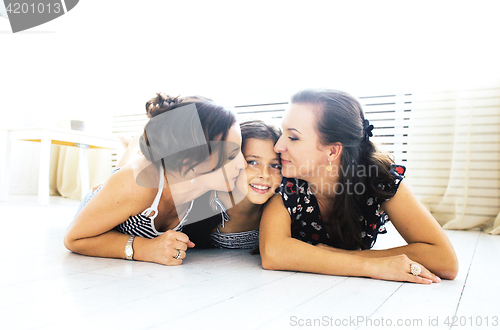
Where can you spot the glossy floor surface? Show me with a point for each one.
(44, 286)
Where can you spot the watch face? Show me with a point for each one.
(129, 251)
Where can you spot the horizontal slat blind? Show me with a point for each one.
(270, 113)
(389, 114)
(454, 154)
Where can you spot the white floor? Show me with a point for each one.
(43, 286)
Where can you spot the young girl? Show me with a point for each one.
(336, 195)
(239, 225)
(190, 146)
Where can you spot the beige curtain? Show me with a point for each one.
(454, 156)
(65, 175)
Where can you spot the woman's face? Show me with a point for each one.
(263, 170)
(224, 178)
(302, 155)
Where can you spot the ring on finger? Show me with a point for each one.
(415, 269)
(178, 255)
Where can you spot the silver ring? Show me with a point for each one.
(415, 269)
(178, 255)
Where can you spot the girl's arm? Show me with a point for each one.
(427, 241)
(279, 251)
(91, 232)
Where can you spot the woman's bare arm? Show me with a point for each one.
(91, 232)
(279, 251)
(427, 241)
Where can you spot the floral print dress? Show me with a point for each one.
(304, 211)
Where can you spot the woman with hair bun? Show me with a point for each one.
(143, 210)
(336, 195)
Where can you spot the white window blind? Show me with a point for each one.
(388, 113)
(270, 112)
(454, 155)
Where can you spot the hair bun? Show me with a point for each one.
(161, 101)
(167, 100)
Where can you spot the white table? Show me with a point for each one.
(48, 136)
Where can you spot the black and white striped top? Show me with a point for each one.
(143, 224)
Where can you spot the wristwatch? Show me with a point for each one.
(129, 250)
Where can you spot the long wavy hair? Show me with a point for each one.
(341, 119)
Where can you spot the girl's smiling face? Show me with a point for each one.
(263, 170)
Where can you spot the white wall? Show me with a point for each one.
(107, 57)
(3, 12)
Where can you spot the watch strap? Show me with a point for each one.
(129, 250)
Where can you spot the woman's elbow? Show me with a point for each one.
(449, 274)
(449, 271)
(448, 265)
(269, 264)
(268, 256)
(69, 243)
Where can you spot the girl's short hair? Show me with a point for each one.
(258, 129)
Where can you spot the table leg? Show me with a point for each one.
(44, 171)
(4, 165)
(83, 165)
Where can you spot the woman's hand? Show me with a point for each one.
(393, 268)
(397, 268)
(163, 249)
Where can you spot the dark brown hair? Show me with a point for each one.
(215, 121)
(341, 119)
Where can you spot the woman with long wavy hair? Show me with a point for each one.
(337, 193)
